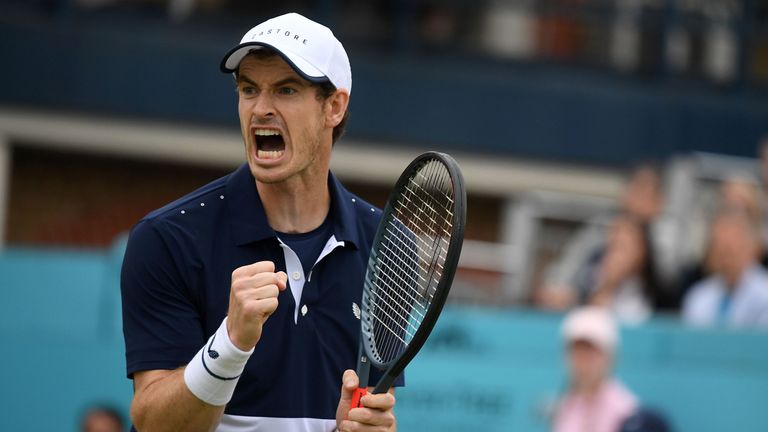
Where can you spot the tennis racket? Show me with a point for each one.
(410, 268)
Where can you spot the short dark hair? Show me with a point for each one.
(109, 411)
(324, 89)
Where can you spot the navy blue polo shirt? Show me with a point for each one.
(175, 286)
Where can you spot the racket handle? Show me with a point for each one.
(359, 393)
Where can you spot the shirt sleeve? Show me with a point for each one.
(161, 324)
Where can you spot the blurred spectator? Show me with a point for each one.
(264, 9)
(741, 193)
(736, 292)
(737, 193)
(643, 198)
(764, 174)
(508, 29)
(102, 419)
(439, 25)
(623, 278)
(176, 10)
(577, 273)
(594, 401)
(561, 35)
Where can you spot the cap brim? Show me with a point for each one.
(590, 338)
(232, 59)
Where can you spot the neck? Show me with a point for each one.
(733, 275)
(297, 205)
(588, 389)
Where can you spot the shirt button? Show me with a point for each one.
(296, 275)
(304, 310)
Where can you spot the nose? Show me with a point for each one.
(263, 107)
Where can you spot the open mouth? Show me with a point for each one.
(269, 143)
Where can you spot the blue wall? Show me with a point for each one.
(62, 344)
(502, 369)
(145, 68)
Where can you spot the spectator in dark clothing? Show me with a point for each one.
(646, 420)
(572, 279)
(623, 277)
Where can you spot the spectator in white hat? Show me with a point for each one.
(595, 401)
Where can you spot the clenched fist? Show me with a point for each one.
(252, 299)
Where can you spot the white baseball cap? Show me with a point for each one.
(592, 324)
(309, 48)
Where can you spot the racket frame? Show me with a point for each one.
(393, 370)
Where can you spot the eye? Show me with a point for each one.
(247, 90)
(286, 91)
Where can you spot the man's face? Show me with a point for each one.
(283, 122)
(643, 197)
(732, 248)
(625, 252)
(588, 364)
(741, 194)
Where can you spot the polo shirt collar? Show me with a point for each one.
(249, 220)
(343, 208)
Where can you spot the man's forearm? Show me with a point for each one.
(190, 398)
(166, 404)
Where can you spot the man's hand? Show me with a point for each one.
(378, 414)
(252, 300)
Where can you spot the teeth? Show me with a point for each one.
(265, 132)
(262, 154)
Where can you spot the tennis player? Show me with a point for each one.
(241, 299)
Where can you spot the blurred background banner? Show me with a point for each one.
(614, 150)
(69, 332)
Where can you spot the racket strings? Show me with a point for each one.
(409, 263)
(432, 221)
(420, 239)
(401, 301)
(423, 272)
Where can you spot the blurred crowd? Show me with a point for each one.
(613, 272)
(619, 263)
(699, 39)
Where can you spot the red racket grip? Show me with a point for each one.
(359, 393)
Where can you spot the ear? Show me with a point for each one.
(335, 108)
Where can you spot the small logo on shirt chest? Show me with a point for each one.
(356, 310)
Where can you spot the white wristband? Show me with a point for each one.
(214, 371)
